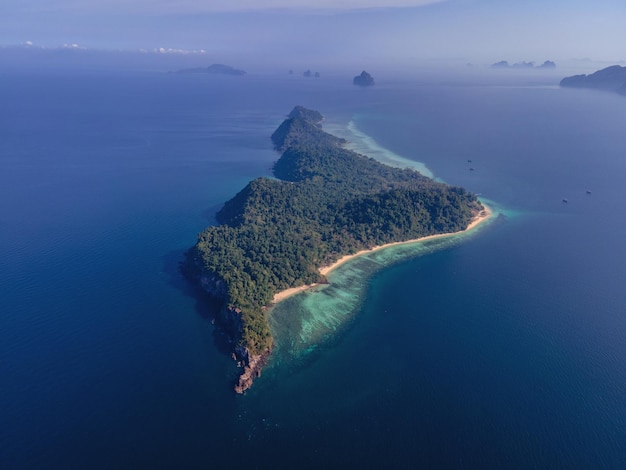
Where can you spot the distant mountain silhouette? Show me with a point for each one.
(609, 79)
(215, 69)
(503, 64)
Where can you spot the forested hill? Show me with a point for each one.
(327, 202)
(302, 127)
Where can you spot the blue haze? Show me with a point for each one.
(506, 349)
(309, 33)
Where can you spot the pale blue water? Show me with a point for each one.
(504, 349)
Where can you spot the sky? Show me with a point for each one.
(328, 31)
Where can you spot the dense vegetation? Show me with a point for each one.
(327, 202)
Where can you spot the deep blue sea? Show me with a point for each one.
(506, 349)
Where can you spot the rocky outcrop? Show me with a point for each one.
(252, 366)
(365, 79)
(228, 318)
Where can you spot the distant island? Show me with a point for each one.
(503, 64)
(548, 64)
(325, 203)
(609, 79)
(220, 69)
(365, 79)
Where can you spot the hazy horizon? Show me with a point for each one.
(322, 34)
(33, 59)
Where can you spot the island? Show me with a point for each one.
(308, 74)
(548, 64)
(611, 78)
(325, 203)
(503, 64)
(365, 79)
(217, 69)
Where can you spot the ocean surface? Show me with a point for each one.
(501, 348)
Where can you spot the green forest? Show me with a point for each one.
(326, 202)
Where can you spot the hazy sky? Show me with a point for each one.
(330, 30)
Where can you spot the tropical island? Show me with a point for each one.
(608, 79)
(326, 203)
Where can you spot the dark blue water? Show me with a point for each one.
(505, 350)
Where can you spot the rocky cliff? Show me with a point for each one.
(229, 319)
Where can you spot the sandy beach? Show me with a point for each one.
(479, 219)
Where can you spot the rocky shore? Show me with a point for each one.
(252, 366)
(229, 320)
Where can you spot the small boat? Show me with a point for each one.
(469, 161)
(588, 192)
(565, 201)
(471, 169)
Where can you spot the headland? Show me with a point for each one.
(611, 78)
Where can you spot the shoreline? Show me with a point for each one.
(482, 216)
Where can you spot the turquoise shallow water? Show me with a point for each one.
(502, 348)
(306, 321)
(366, 145)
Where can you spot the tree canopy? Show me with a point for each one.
(326, 202)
